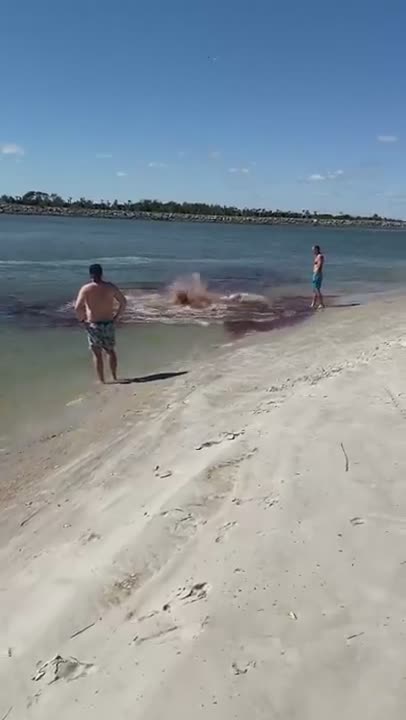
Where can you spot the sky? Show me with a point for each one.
(278, 104)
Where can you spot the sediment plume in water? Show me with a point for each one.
(188, 300)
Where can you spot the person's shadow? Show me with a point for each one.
(346, 305)
(155, 377)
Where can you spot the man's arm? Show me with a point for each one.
(121, 300)
(319, 263)
(80, 305)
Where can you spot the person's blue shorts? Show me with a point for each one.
(317, 281)
(101, 335)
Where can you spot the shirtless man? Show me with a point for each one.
(98, 305)
(318, 265)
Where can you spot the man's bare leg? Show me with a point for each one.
(313, 305)
(113, 363)
(98, 363)
(321, 301)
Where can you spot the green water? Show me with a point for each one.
(46, 371)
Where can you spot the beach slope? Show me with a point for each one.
(236, 550)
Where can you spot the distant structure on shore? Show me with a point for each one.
(40, 203)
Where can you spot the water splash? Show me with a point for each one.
(191, 292)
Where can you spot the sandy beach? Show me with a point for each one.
(223, 544)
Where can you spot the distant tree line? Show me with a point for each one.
(42, 199)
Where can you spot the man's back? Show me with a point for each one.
(98, 300)
(100, 304)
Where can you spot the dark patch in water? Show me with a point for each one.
(188, 301)
(286, 312)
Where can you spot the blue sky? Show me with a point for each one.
(264, 103)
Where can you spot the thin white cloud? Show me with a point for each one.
(387, 138)
(334, 175)
(317, 177)
(120, 173)
(155, 164)
(12, 149)
(242, 170)
(214, 154)
(104, 156)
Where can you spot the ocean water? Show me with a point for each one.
(45, 259)
(43, 262)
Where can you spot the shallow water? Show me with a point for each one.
(47, 372)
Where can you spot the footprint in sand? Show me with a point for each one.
(60, 668)
(90, 536)
(242, 669)
(198, 591)
(188, 594)
(357, 521)
(266, 501)
(267, 407)
(178, 516)
(123, 588)
(162, 474)
(224, 436)
(161, 629)
(224, 530)
(185, 595)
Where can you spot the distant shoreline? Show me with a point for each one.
(113, 214)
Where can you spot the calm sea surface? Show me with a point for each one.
(43, 261)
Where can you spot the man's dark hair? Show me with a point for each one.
(317, 249)
(96, 272)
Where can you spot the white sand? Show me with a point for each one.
(265, 577)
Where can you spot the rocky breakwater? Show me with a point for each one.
(122, 214)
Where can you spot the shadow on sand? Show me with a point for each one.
(346, 305)
(155, 377)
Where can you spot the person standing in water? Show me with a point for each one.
(99, 304)
(318, 265)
